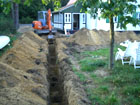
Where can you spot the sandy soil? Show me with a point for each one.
(23, 72)
(94, 37)
(23, 68)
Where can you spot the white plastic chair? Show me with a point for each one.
(126, 55)
(122, 55)
(119, 54)
(135, 59)
(125, 43)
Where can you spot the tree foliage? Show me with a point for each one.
(122, 8)
(29, 13)
(28, 8)
(6, 4)
(56, 3)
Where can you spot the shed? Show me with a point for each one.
(70, 17)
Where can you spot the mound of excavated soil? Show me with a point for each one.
(23, 73)
(85, 37)
(26, 51)
(94, 37)
(73, 89)
(60, 47)
(122, 36)
(16, 87)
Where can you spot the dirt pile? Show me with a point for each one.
(60, 47)
(94, 37)
(122, 36)
(16, 87)
(23, 73)
(85, 37)
(73, 89)
(28, 50)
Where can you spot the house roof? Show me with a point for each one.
(69, 4)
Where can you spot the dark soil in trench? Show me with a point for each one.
(56, 86)
(65, 87)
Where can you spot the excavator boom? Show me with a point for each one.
(49, 20)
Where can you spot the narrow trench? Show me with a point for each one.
(56, 96)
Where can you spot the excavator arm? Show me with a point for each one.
(49, 20)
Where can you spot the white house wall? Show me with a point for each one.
(60, 26)
(129, 28)
(68, 26)
(96, 23)
(90, 23)
(82, 20)
(102, 25)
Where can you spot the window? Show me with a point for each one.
(138, 15)
(40, 15)
(107, 20)
(115, 19)
(83, 18)
(60, 18)
(56, 18)
(67, 17)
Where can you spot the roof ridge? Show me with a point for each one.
(71, 2)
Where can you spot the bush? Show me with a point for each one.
(6, 25)
(26, 20)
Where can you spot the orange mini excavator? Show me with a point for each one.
(43, 25)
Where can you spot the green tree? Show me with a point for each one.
(29, 13)
(64, 2)
(109, 9)
(12, 5)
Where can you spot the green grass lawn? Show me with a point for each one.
(120, 86)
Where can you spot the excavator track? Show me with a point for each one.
(44, 31)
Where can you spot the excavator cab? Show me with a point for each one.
(42, 17)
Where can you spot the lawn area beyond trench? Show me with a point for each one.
(120, 86)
